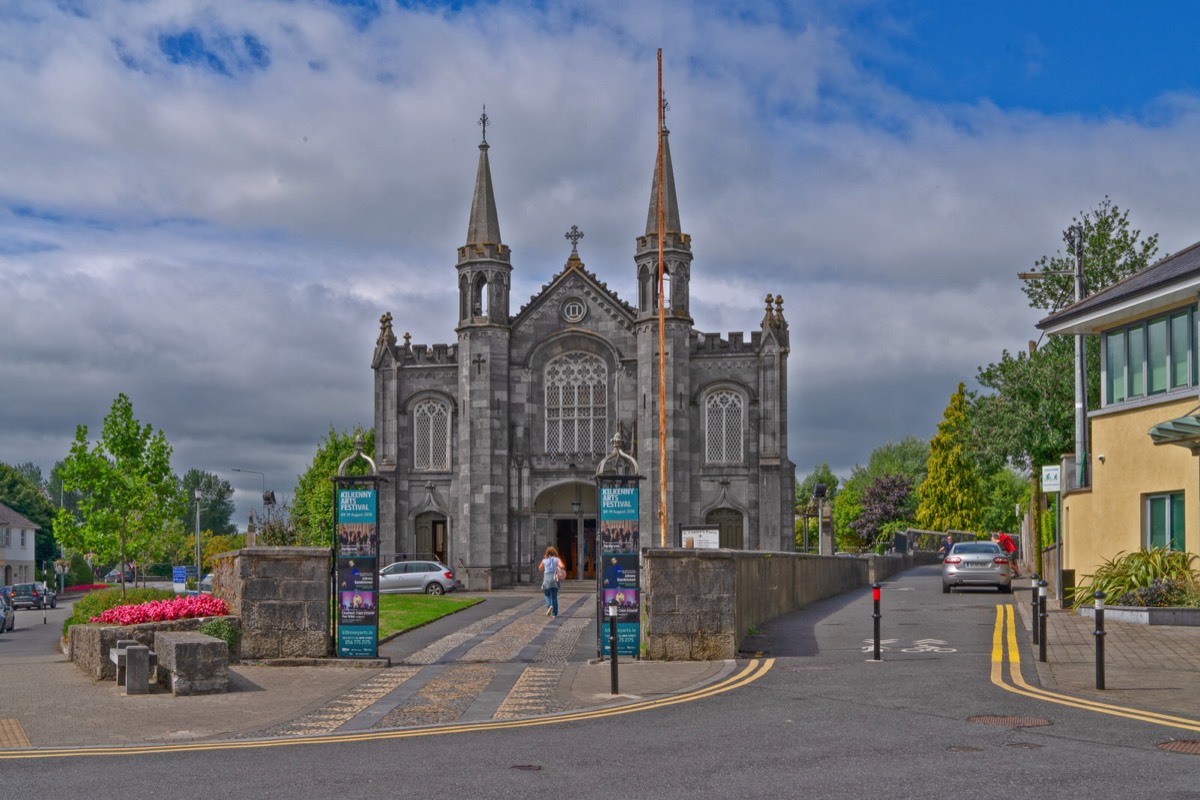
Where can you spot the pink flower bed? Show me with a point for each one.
(183, 607)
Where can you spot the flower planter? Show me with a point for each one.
(1146, 615)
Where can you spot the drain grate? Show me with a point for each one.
(1188, 746)
(1010, 721)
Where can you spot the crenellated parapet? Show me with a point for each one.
(712, 343)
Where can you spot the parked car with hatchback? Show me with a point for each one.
(114, 576)
(8, 614)
(430, 577)
(29, 595)
(977, 564)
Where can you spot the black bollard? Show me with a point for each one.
(1034, 606)
(876, 615)
(1042, 620)
(612, 646)
(1099, 639)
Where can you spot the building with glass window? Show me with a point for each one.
(1144, 482)
(488, 446)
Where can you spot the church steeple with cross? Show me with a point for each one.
(484, 268)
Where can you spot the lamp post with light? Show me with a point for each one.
(264, 486)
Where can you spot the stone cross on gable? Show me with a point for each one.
(573, 236)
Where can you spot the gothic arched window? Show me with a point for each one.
(723, 427)
(431, 435)
(576, 404)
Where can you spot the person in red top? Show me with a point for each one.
(1009, 546)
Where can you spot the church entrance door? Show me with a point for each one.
(729, 520)
(566, 541)
(431, 537)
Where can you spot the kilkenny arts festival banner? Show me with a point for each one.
(620, 543)
(356, 591)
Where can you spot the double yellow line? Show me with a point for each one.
(748, 674)
(1005, 632)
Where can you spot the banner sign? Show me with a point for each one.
(618, 576)
(356, 588)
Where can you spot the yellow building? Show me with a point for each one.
(1142, 488)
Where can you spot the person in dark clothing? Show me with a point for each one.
(946, 545)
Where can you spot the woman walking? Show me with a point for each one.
(550, 580)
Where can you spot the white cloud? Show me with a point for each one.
(220, 246)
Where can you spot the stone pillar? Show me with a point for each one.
(282, 595)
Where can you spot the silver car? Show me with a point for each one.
(430, 577)
(8, 614)
(977, 564)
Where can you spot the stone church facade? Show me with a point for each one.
(487, 447)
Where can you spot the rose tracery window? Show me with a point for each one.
(576, 404)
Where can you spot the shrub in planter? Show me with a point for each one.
(1129, 573)
(225, 629)
(1162, 593)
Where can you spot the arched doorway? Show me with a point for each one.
(730, 522)
(570, 510)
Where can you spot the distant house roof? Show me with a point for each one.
(11, 519)
(1164, 284)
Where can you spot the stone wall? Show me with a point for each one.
(282, 595)
(699, 604)
(88, 645)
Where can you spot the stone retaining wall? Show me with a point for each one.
(282, 595)
(699, 604)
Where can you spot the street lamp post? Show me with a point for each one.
(264, 487)
(199, 574)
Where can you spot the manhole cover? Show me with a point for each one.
(1189, 746)
(1010, 721)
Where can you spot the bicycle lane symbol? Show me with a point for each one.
(929, 646)
(869, 646)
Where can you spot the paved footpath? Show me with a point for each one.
(500, 659)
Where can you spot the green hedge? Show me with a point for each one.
(93, 604)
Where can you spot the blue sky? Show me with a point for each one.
(207, 205)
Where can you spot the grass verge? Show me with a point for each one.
(403, 612)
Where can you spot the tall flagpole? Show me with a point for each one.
(662, 340)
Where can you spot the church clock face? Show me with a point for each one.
(573, 310)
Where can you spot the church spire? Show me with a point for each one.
(670, 203)
(484, 227)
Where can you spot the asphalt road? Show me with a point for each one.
(824, 721)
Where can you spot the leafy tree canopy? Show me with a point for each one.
(1111, 252)
(886, 499)
(821, 473)
(312, 507)
(130, 502)
(216, 503)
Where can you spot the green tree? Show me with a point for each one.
(952, 494)
(905, 459)
(1111, 252)
(807, 508)
(312, 504)
(216, 503)
(130, 500)
(1004, 490)
(21, 491)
